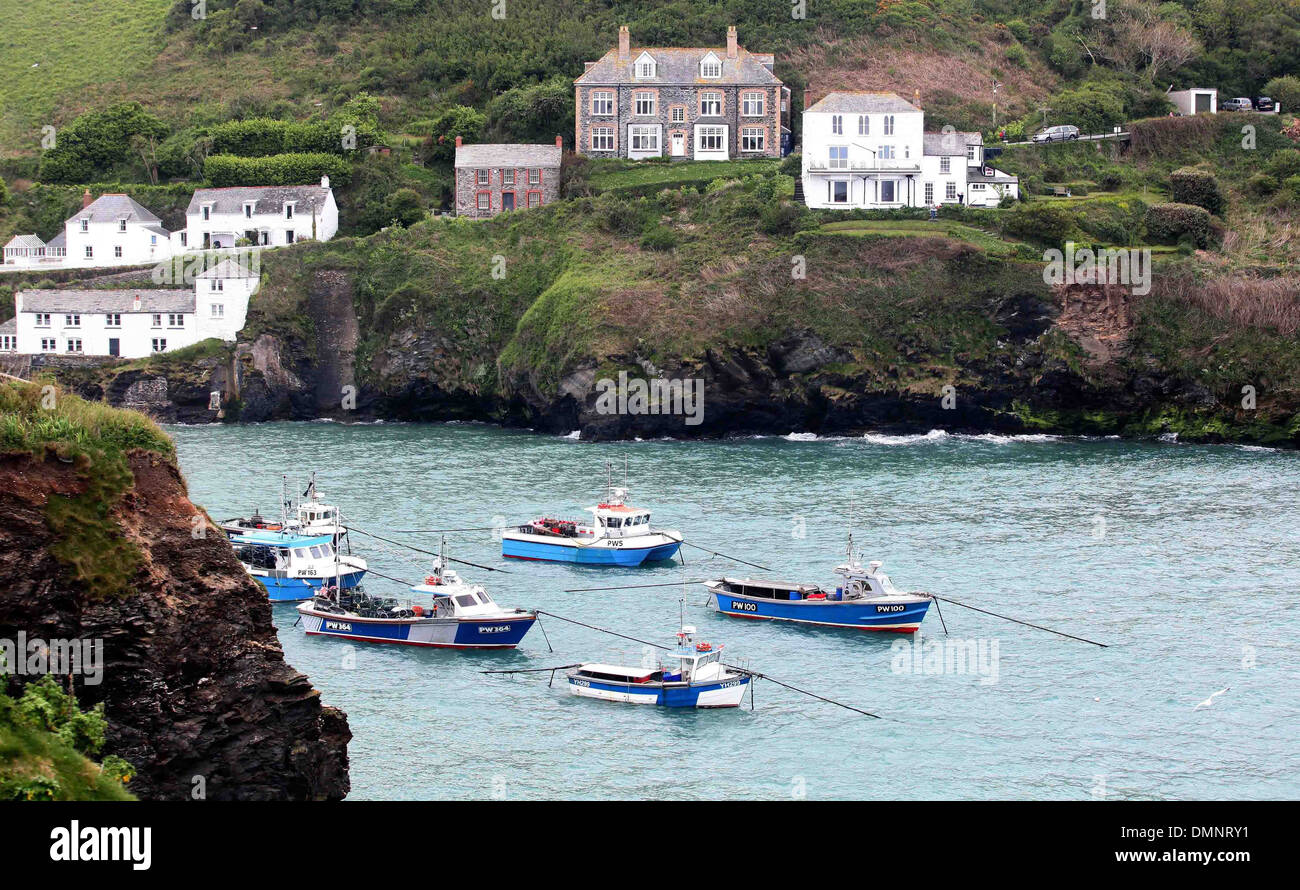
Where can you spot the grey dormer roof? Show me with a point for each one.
(91, 301)
(228, 269)
(681, 65)
(951, 143)
(506, 154)
(27, 241)
(9, 327)
(862, 102)
(265, 198)
(111, 208)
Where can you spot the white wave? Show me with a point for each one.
(915, 439)
(801, 437)
(576, 434)
(1008, 440)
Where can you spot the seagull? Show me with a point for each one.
(1209, 701)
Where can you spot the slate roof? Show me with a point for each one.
(950, 143)
(976, 174)
(862, 102)
(681, 65)
(266, 198)
(228, 269)
(91, 301)
(59, 240)
(111, 208)
(508, 154)
(28, 241)
(9, 327)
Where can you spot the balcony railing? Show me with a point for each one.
(884, 166)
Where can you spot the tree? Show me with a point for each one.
(1144, 36)
(1284, 90)
(458, 120)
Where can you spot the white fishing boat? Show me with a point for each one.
(694, 677)
(309, 517)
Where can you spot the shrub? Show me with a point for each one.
(1285, 91)
(792, 165)
(1092, 108)
(286, 169)
(458, 120)
(783, 218)
(1284, 163)
(98, 141)
(659, 238)
(1171, 223)
(1188, 185)
(1044, 223)
(1261, 185)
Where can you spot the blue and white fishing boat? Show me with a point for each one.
(293, 567)
(696, 678)
(309, 517)
(866, 599)
(446, 612)
(616, 535)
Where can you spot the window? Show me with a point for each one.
(950, 192)
(121, 225)
(157, 320)
(484, 201)
(710, 139)
(117, 250)
(42, 319)
(159, 344)
(970, 153)
(752, 138)
(837, 124)
(48, 344)
(645, 68)
(218, 310)
(837, 192)
(602, 102)
(534, 199)
(864, 125)
(645, 104)
(535, 176)
(602, 138)
(645, 139)
(113, 320)
(753, 105)
(889, 125)
(207, 211)
(90, 252)
(153, 240)
(929, 193)
(839, 157)
(217, 284)
(85, 225)
(288, 211)
(710, 104)
(72, 321)
(175, 320)
(483, 177)
(288, 236)
(677, 114)
(507, 177)
(945, 164)
(886, 153)
(184, 239)
(8, 343)
(74, 344)
(887, 191)
(977, 186)
(248, 211)
(711, 67)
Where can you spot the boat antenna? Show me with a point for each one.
(284, 500)
(609, 480)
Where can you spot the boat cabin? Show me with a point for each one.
(274, 551)
(620, 520)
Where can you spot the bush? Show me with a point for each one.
(659, 238)
(1172, 223)
(1285, 91)
(1044, 223)
(458, 120)
(1283, 163)
(783, 218)
(792, 165)
(1261, 185)
(1188, 185)
(95, 143)
(1091, 108)
(287, 169)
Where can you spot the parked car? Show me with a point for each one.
(1056, 134)
(1263, 103)
(1241, 103)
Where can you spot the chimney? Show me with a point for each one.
(731, 42)
(807, 99)
(916, 98)
(324, 182)
(458, 142)
(559, 141)
(135, 304)
(86, 200)
(624, 43)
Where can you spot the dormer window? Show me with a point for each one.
(85, 225)
(644, 67)
(288, 211)
(248, 210)
(207, 211)
(121, 225)
(710, 66)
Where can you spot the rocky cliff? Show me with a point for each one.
(197, 693)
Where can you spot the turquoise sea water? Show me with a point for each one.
(1182, 558)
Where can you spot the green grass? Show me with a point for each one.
(641, 177)
(917, 228)
(37, 765)
(72, 44)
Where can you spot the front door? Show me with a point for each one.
(678, 145)
(507, 200)
(114, 346)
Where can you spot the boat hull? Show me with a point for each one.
(447, 633)
(724, 694)
(292, 590)
(887, 617)
(604, 552)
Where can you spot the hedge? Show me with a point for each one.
(260, 137)
(1171, 223)
(281, 169)
(1188, 185)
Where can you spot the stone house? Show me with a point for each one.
(495, 177)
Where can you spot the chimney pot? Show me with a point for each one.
(559, 141)
(458, 142)
(86, 200)
(731, 42)
(624, 42)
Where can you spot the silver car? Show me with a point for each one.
(1063, 133)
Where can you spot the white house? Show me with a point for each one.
(111, 230)
(869, 150)
(265, 216)
(1194, 101)
(131, 323)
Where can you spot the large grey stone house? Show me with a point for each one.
(494, 177)
(700, 103)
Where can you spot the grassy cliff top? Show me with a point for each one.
(36, 415)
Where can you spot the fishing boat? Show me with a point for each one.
(291, 566)
(696, 678)
(616, 535)
(308, 517)
(866, 599)
(449, 613)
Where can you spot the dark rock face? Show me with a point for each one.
(196, 690)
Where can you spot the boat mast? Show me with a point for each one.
(284, 501)
(609, 480)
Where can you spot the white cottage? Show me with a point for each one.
(869, 150)
(111, 230)
(263, 216)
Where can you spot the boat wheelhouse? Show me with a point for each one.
(696, 678)
(445, 612)
(292, 567)
(617, 534)
(301, 517)
(866, 599)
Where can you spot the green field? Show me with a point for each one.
(639, 176)
(921, 228)
(51, 48)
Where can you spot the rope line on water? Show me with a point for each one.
(725, 556)
(361, 531)
(948, 599)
